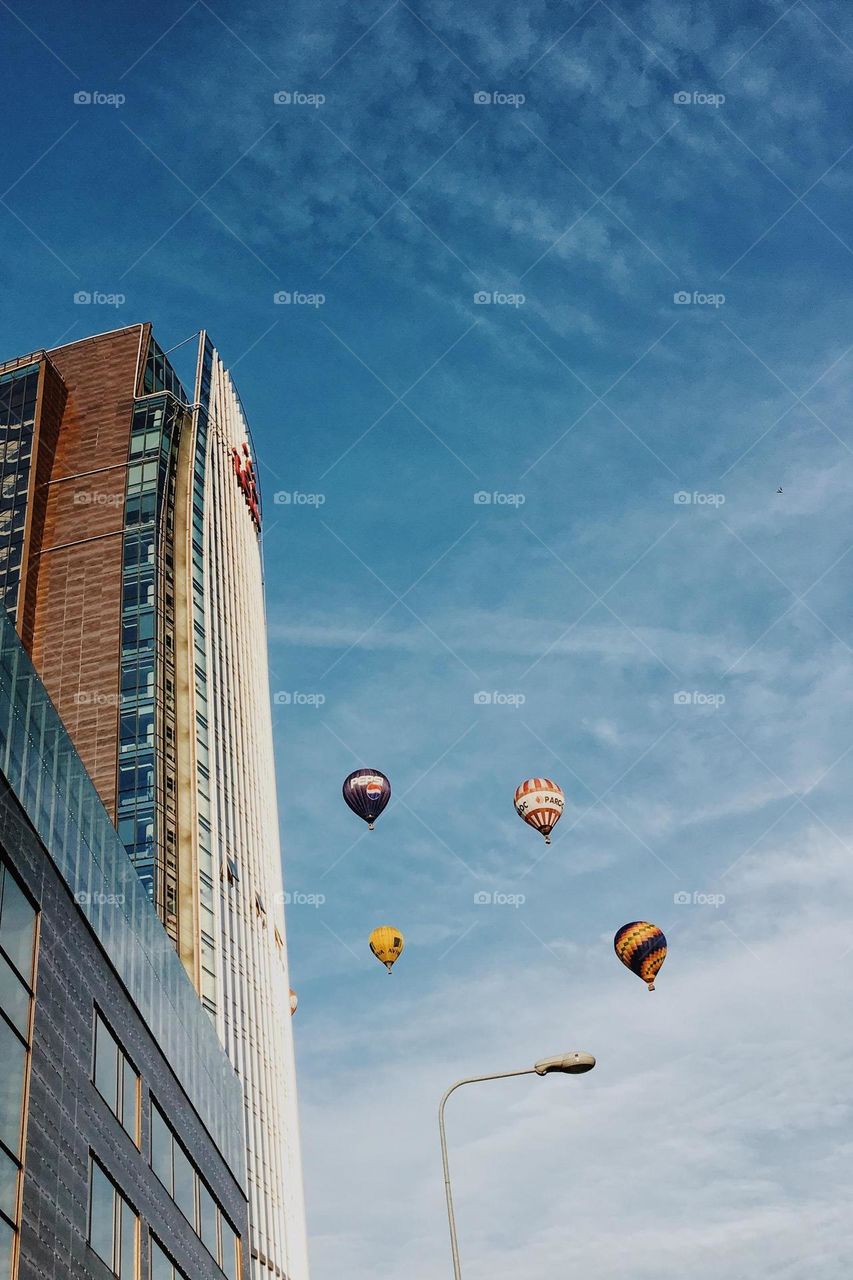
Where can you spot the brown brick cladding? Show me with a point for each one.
(73, 610)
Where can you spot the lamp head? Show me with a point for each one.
(570, 1064)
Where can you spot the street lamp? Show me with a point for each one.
(570, 1064)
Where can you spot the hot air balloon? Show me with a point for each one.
(294, 1002)
(367, 791)
(642, 948)
(387, 944)
(540, 802)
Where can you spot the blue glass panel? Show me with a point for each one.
(96, 867)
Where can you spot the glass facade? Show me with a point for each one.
(113, 1225)
(18, 394)
(18, 918)
(146, 768)
(46, 775)
(185, 1185)
(116, 1079)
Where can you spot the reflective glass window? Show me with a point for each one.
(184, 1184)
(17, 927)
(102, 1215)
(7, 1241)
(229, 1262)
(106, 1063)
(13, 1061)
(161, 1148)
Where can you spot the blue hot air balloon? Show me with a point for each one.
(367, 792)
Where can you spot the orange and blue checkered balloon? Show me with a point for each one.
(642, 948)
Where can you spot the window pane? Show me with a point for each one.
(17, 927)
(12, 1065)
(129, 1104)
(102, 1216)
(161, 1267)
(14, 998)
(229, 1250)
(207, 1225)
(7, 1237)
(127, 1259)
(8, 1185)
(161, 1149)
(106, 1063)
(184, 1184)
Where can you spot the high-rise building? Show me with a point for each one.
(130, 559)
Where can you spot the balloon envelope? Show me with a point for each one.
(540, 802)
(294, 1002)
(367, 791)
(642, 948)
(387, 944)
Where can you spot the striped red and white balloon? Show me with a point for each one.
(540, 802)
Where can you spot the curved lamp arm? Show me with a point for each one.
(501, 1075)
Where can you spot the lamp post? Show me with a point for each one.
(572, 1064)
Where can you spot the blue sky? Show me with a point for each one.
(635, 547)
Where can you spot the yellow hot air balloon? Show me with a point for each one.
(387, 944)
